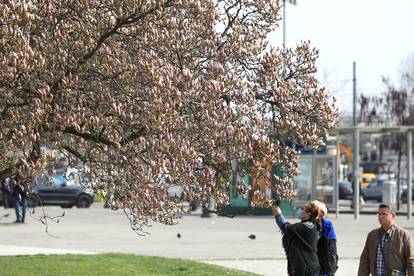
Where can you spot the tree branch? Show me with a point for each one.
(74, 152)
(119, 24)
(134, 135)
(89, 136)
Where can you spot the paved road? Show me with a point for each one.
(216, 240)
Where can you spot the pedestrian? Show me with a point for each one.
(300, 240)
(327, 250)
(388, 250)
(5, 190)
(21, 199)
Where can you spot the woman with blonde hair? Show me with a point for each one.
(327, 252)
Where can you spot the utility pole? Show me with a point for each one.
(355, 154)
(355, 94)
(409, 174)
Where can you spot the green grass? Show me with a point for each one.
(107, 264)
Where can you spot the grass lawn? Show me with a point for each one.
(106, 264)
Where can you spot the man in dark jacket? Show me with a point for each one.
(389, 250)
(21, 199)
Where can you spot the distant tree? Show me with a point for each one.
(395, 107)
(399, 106)
(408, 73)
(148, 93)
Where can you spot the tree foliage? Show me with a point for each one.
(395, 105)
(147, 93)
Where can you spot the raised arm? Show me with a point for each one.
(280, 219)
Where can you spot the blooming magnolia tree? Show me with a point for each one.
(145, 93)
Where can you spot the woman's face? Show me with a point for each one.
(305, 215)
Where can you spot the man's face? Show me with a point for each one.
(385, 218)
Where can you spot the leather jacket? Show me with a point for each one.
(398, 252)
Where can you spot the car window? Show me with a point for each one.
(58, 181)
(42, 181)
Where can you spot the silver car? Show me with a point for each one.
(375, 189)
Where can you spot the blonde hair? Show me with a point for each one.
(321, 206)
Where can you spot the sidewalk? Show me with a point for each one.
(216, 240)
(10, 250)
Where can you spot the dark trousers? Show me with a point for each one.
(20, 208)
(5, 194)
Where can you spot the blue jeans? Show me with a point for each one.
(20, 208)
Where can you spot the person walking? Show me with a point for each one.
(300, 240)
(21, 200)
(327, 250)
(5, 190)
(388, 250)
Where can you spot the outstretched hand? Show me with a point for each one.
(276, 210)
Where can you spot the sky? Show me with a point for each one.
(376, 34)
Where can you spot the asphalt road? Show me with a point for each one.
(218, 240)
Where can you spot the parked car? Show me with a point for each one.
(325, 191)
(345, 190)
(366, 179)
(55, 191)
(375, 189)
(404, 195)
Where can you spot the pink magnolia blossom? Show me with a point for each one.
(133, 95)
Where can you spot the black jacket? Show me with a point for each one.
(300, 243)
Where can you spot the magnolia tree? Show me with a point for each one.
(145, 93)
